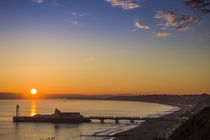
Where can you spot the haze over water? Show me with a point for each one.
(36, 131)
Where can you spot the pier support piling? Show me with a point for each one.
(116, 120)
(102, 120)
(131, 121)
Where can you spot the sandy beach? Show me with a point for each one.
(160, 127)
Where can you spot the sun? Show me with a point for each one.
(33, 91)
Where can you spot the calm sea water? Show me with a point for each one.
(37, 131)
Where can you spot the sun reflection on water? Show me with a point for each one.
(33, 110)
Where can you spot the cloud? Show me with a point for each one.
(183, 28)
(164, 28)
(78, 14)
(38, 1)
(124, 4)
(74, 13)
(207, 35)
(200, 5)
(180, 21)
(74, 18)
(74, 22)
(140, 26)
(163, 34)
(89, 59)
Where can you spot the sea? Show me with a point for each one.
(95, 130)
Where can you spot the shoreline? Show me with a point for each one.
(153, 128)
(158, 127)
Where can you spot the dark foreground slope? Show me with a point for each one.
(196, 128)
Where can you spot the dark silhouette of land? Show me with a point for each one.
(196, 128)
(5, 95)
(52, 96)
(161, 98)
(177, 100)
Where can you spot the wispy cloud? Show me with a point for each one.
(78, 14)
(163, 34)
(183, 28)
(140, 26)
(89, 59)
(38, 1)
(74, 22)
(180, 21)
(207, 35)
(124, 4)
(200, 5)
(74, 18)
(164, 28)
(70, 20)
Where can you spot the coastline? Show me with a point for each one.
(159, 127)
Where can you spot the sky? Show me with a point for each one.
(105, 46)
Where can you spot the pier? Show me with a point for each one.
(73, 120)
(115, 118)
(70, 117)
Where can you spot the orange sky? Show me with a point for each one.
(76, 70)
(75, 47)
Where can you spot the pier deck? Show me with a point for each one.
(85, 119)
(116, 118)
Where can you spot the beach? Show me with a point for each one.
(160, 127)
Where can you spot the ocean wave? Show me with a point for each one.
(112, 130)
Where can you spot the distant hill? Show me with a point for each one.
(190, 100)
(196, 128)
(75, 96)
(53, 96)
(11, 96)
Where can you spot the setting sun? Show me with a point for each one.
(33, 91)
